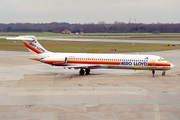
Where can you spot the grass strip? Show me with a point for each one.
(87, 46)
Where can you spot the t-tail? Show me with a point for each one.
(31, 43)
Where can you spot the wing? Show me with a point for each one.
(83, 66)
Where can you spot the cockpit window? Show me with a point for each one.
(161, 59)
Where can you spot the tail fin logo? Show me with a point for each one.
(40, 49)
(34, 48)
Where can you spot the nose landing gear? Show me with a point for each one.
(164, 72)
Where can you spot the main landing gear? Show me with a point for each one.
(81, 72)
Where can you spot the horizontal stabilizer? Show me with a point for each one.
(24, 38)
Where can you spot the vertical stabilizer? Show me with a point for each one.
(31, 43)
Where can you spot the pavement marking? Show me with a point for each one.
(71, 76)
(114, 115)
(79, 113)
(85, 108)
(136, 93)
(40, 76)
(156, 109)
(107, 97)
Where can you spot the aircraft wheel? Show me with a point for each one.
(87, 71)
(164, 73)
(81, 72)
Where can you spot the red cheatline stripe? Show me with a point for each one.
(95, 62)
(84, 62)
(159, 64)
(32, 48)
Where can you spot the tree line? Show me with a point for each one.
(101, 27)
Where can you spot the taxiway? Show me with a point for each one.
(32, 90)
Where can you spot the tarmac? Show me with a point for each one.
(30, 90)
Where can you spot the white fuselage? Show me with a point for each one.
(111, 61)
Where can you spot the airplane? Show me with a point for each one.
(87, 61)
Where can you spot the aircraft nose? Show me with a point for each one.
(172, 65)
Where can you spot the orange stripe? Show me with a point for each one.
(52, 62)
(95, 62)
(34, 59)
(84, 62)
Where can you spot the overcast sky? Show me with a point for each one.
(89, 11)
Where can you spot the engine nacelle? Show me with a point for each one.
(54, 60)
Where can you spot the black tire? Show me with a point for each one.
(81, 72)
(87, 71)
(163, 73)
